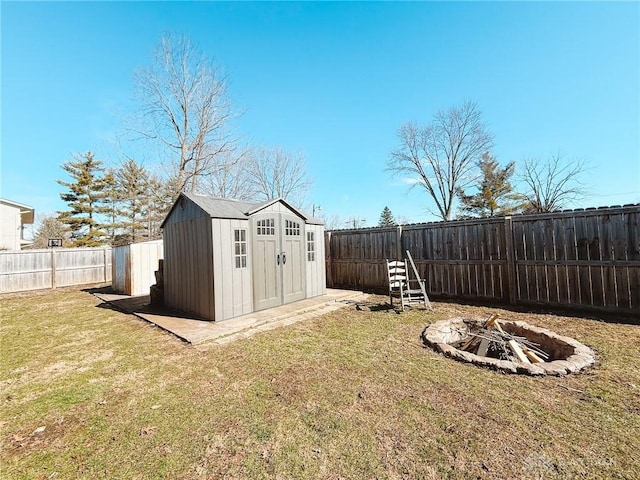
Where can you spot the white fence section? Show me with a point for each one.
(61, 267)
(133, 267)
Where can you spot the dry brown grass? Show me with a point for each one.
(353, 394)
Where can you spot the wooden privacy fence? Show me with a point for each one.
(579, 258)
(61, 267)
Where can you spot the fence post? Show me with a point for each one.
(327, 256)
(399, 254)
(53, 268)
(511, 264)
(104, 260)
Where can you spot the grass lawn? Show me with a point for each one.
(353, 394)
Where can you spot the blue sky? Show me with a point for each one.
(335, 81)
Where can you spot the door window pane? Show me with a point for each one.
(311, 247)
(291, 228)
(240, 248)
(265, 227)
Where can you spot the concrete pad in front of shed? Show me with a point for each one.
(199, 332)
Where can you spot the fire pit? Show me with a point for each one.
(508, 346)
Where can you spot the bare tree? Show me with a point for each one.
(332, 221)
(49, 227)
(275, 172)
(403, 220)
(355, 222)
(441, 156)
(233, 178)
(552, 184)
(186, 109)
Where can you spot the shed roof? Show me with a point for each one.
(221, 207)
(236, 209)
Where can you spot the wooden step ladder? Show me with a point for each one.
(410, 291)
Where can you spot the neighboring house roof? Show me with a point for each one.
(236, 209)
(26, 212)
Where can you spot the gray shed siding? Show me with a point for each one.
(200, 273)
(233, 291)
(120, 268)
(133, 267)
(316, 272)
(188, 268)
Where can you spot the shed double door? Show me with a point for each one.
(278, 260)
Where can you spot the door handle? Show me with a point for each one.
(278, 259)
(284, 258)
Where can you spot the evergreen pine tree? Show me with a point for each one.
(134, 196)
(495, 196)
(386, 218)
(162, 194)
(111, 207)
(85, 198)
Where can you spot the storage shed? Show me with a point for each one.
(225, 258)
(133, 267)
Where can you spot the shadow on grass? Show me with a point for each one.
(621, 317)
(624, 317)
(134, 305)
(366, 306)
(105, 289)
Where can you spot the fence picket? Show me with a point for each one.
(41, 269)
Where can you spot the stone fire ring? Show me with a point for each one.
(566, 355)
